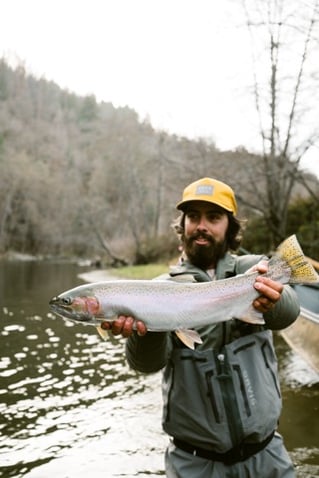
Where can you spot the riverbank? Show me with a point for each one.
(99, 275)
(145, 271)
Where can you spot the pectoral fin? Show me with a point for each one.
(252, 316)
(103, 333)
(189, 337)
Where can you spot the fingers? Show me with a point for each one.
(124, 325)
(270, 292)
(261, 267)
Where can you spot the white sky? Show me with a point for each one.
(183, 63)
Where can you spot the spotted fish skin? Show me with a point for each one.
(181, 306)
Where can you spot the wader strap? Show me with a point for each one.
(236, 454)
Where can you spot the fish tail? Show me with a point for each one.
(302, 271)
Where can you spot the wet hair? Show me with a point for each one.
(233, 234)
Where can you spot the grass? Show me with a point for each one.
(147, 271)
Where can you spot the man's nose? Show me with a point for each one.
(202, 224)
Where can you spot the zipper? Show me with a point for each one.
(229, 400)
(211, 395)
(170, 390)
(237, 369)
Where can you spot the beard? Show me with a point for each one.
(204, 256)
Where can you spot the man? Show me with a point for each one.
(221, 401)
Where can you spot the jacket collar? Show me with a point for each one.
(225, 268)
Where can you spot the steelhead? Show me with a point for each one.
(168, 305)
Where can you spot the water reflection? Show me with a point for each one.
(69, 404)
(70, 407)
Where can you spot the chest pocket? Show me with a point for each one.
(193, 406)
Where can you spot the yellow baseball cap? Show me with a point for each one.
(209, 190)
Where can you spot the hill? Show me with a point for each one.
(86, 178)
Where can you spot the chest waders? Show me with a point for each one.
(223, 406)
(222, 402)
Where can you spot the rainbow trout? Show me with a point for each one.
(167, 305)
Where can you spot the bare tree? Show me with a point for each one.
(284, 38)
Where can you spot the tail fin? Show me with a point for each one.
(302, 272)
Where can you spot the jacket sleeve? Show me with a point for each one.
(285, 311)
(148, 354)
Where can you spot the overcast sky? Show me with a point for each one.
(182, 63)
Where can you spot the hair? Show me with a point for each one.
(234, 232)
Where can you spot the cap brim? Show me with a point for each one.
(181, 206)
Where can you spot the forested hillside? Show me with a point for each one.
(83, 178)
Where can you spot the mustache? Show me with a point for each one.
(202, 235)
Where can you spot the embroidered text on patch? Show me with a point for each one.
(206, 189)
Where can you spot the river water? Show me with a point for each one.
(70, 407)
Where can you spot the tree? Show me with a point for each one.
(303, 220)
(284, 38)
(78, 177)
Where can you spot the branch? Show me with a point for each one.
(298, 176)
(116, 261)
(255, 80)
(250, 205)
(299, 77)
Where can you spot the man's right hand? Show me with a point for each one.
(125, 325)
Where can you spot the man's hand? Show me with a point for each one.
(124, 325)
(270, 290)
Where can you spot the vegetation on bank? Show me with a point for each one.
(145, 271)
(303, 220)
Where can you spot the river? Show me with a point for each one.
(70, 406)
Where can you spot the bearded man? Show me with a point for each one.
(222, 401)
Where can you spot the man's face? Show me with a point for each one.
(204, 234)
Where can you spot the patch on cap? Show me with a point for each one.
(204, 189)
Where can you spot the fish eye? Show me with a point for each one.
(66, 300)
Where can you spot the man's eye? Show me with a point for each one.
(214, 217)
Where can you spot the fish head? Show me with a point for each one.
(75, 307)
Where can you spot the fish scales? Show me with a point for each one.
(181, 306)
(172, 305)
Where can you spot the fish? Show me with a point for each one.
(179, 306)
